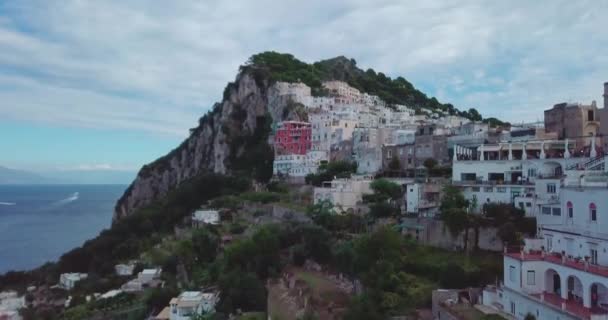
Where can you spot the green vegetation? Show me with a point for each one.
(250, 154)
(329, 171)
(385, 200)
(285, 67)
(510, 221)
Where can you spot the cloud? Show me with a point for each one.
(128, 64)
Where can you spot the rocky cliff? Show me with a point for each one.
(223, 135)
(233, 138)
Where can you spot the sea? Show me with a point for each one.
(38, 223)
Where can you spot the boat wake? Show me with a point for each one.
(7, 203)
(73, 197)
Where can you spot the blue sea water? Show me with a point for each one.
(38, 223)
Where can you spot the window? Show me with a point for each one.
(512, 308)
(531, 278)
(590, 115)
(557, 211)
(528, 204)
(501, 189)
(550, 187)
(546, 210)
(475, 189)
(512, 273)
(488, 189)
(593, 255)
(549, 243)
(532, 172)
(593, 212)
(570, 209)
(521, 205)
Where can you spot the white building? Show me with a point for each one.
(342, 91)
(68, 280)
(404, 136)
(124, 269)
(145, 278)
(367, 148)
(525, 174)
(563, 273)
(299, 166)
(330, 128)
(344, 194)
(204, 217)
(10, 304)
(297, 92)
(191, 303)
(423, 199)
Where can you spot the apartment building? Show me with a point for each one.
(562, 273)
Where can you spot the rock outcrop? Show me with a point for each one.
(211, 146)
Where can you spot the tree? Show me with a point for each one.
(386, 189)
(158, 298)
(395, 164)
(430, 163)
(205, 244)
(474, 115)
(241, 290)
(362, 308)
(454, 212)
(508, 233)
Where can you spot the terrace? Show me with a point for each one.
(556, 258)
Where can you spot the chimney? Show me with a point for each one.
(605, 94)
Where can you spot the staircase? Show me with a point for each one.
(595, 164)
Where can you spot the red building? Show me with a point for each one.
(292, 137)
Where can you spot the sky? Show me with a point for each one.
(114, 84)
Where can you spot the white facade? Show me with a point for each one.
(404, 136)
(10, 304)
(330, 128)
(423, 198)
(68, 280)
(295, 165)
(344, 194)
(202, 217)
(124, 269)
(191, 303)
(343, 91)
(526, 183)
(298, 92)
(367, 148)
(563, 273)
(144, 279)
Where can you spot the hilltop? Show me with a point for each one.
(232, 137)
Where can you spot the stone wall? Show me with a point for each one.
(434, 233)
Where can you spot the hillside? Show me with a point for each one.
(232, 137)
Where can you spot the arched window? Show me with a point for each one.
(593, 211)
(570, 209)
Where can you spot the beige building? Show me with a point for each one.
(344, 194)
(573, 121)
(603, 114)
(431, 142)
(342, 91)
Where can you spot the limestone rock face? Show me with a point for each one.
(207, 149)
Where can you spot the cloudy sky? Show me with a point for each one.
(99, 85)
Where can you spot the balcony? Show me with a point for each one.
(555, 258)
(492, 183)
(571, 306)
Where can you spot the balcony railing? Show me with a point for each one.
(582, 264)
(493, 182)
